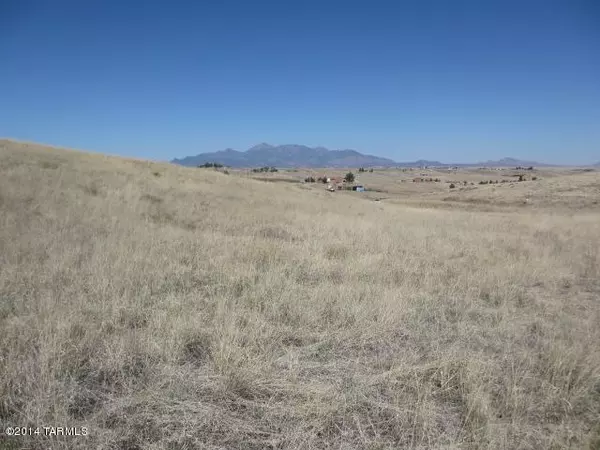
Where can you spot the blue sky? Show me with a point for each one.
(455, 81)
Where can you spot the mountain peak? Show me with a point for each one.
(261, 146)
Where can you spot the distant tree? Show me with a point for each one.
(371, 170)
(264, 169)
(309, 180)
(521, 178)
(349, 177)
(361, 169)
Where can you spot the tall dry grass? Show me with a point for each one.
(165, 307)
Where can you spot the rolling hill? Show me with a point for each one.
(162, 306)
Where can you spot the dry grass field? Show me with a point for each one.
(166, 307)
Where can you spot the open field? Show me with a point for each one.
(567, 188)
(166, 307)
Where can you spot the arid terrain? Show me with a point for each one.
(165, 307)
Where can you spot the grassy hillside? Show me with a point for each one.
(169, 307)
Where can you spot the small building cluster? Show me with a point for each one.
(336, 183)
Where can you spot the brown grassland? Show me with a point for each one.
(166, 307)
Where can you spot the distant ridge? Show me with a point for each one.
(290, 155)
(510, 162)
(294, 155)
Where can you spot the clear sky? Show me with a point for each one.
(452, 80)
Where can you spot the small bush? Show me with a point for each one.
(533, 178)
(156, 174)
(226, 172)
(371, 170)
(310, 180)
(349, 177)
(48, 165)
(452, 186)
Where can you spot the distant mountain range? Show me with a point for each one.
(509, 162)
(293, 155)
